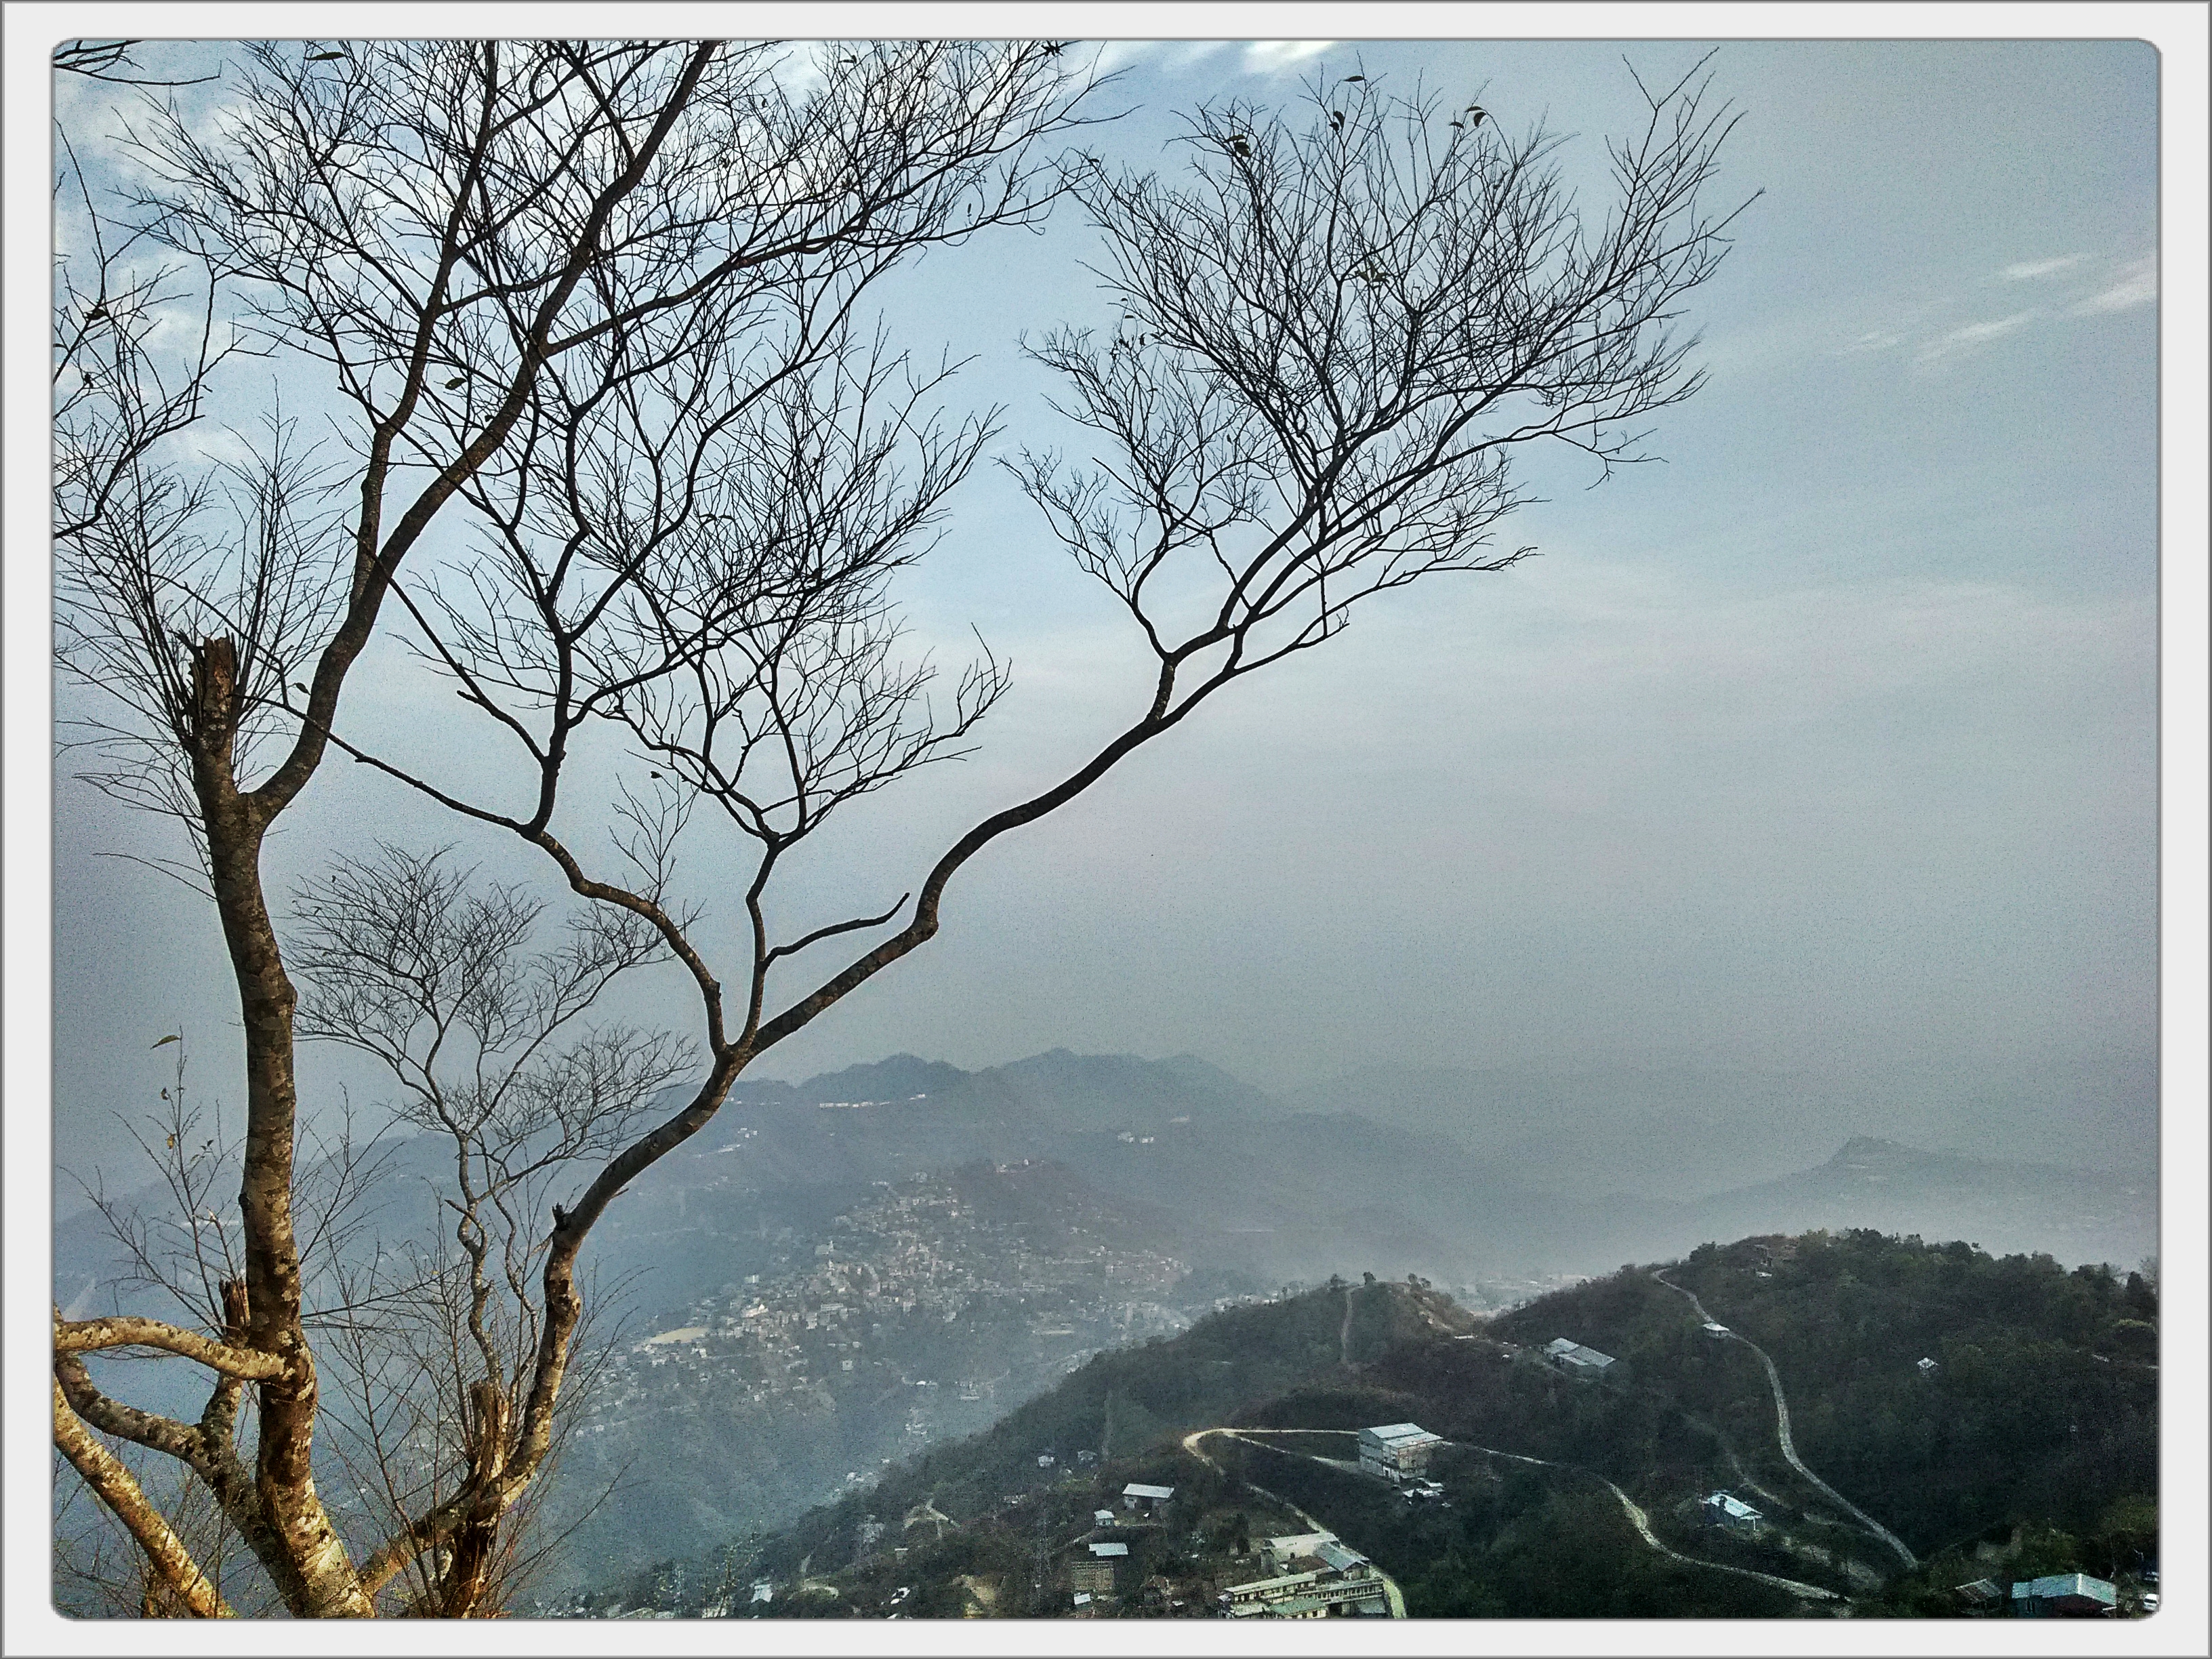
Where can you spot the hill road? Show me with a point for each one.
(1637, 1517)
(1782, 1429)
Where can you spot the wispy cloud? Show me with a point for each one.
(1876, 339)
(1253, 57)
(2136, 285)
(1972, 335)
(2028, 269)
(1272, 57)
(2086, 286)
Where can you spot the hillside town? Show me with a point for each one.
(927, 1310)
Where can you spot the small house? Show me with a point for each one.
(1714, 1329)
(1099, 1573)
(1397, 1451)
(1101, 1517)
(1145, 1500)
(1575, 1360)
(2064, 1596)
(1926, 1368)
(1722, 1509)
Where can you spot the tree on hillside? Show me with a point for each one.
(597, 305)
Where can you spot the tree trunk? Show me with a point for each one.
(327, 1586)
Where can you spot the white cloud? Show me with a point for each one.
(2135, 285)
(1272, 57)
(1973, 335)
(1176, 57)
(2028, 269)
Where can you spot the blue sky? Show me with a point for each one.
(1827, 744)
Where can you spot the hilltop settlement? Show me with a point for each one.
(1821, 1426)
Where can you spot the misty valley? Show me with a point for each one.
(894, 1341)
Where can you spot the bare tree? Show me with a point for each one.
(406, 961)
(434, 225)
(1333, 339)
(112, 60)
(694, 475)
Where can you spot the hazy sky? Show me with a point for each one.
(1829, 745)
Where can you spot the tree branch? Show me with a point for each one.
(117, 1488)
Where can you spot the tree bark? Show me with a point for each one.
(171, 1566)
(283, 1471)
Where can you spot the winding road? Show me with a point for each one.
(1641, 1523)
(1782, 1429)
(1637, 1517)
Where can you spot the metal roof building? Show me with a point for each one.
(2064, 1596)
(1397, 1451)
(1569, 1356)
(1340, 1558)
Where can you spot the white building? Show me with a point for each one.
(1397, 1451)
(1277, 1554)
(1135, 1496)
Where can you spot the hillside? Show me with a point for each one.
(928, 1307)
(2030, 1448)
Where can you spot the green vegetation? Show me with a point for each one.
(2042, 1407)
(2029, 1449)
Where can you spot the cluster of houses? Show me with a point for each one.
(1097, 1574)
(1312, 1575)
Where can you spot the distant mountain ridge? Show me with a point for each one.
(1680, 1131)
(2077, 1215)
(1241, 1181)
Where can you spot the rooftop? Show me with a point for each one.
(1395, 1435)
(1340, 1556)
(2055, 1585)
(1572, 1352)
